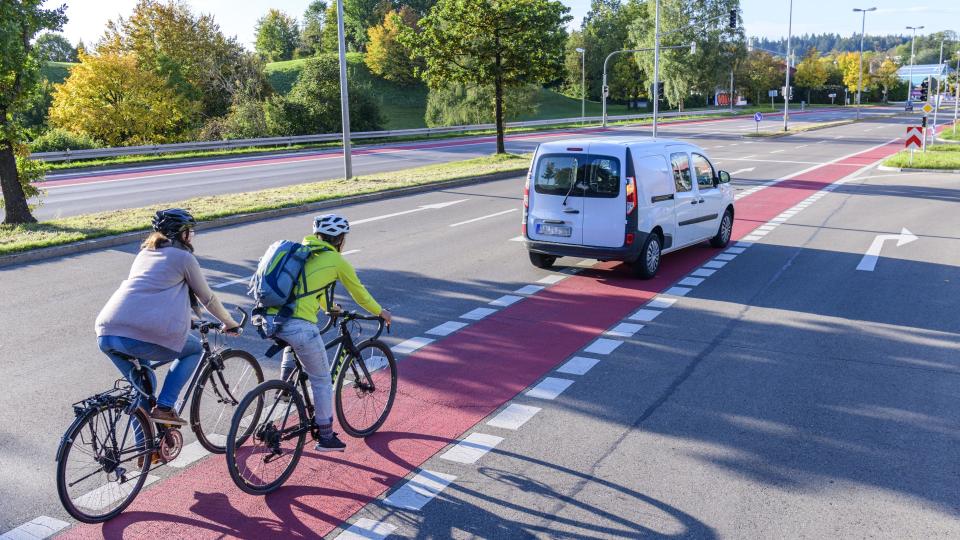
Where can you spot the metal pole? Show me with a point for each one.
(936, 100)
(956, 102)
(863, 24)
(913, 41)
(583, 86)
(731, 89)
(786, 89)
(344, 95)
(656, 66)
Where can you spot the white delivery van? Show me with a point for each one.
(623, 199)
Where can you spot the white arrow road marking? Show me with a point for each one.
(869, 261)
(734, 173)
(435, 206)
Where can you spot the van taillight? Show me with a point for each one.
(631, 194)
(629, 239)
(526, 194)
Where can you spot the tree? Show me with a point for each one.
(19, 75)
(811, 72)
(311, 29)
(606, 28)
(496, 44)
(386, 55)
(759, 73)
(886, 76)
(329, 38)
(53, 47)
(277, 36)
(849, 64)
(109, 98)
(314, 101)
(358, 15)
(458, 105)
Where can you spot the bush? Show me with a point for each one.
(59, 139)
(314, 101)
(459, 105)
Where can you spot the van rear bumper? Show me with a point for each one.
(625, 253)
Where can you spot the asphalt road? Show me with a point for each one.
(788, 394)
(92, 191)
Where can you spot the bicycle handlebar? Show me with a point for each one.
(205, 326)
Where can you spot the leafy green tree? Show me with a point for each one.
(329, 40)
(53, 47)
(498, 44)
(811, 72)
(311, 29)
(886, 76)
(386, 55)
(277, 36)
(759, 73)
(314, 101)
(358, 15)
(458, 105)
(19, 76)
(606, 28)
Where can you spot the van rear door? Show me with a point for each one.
(556, 211)
(604, 203)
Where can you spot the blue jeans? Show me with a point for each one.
(185, 362)
(306, 340)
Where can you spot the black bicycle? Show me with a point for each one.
(106, 453)
(270, 426)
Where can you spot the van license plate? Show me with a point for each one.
(554, 230)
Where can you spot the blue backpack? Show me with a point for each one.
(274, 284)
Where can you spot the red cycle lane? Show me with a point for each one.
(445, 389)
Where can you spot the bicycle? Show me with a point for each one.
(106, 453)
(365, 379)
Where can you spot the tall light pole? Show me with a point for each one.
(583, 84)
(344, 95)
(863, 25)
(656, 66)
(786, 89)
(936, 99)
(956, 102)
(913, 40)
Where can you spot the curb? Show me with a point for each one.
(911, 169)
(84, 246)
(838, 123)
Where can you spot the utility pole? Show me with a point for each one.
(344, 94)
(956, 101)
(913, 41)
(656, 66)
(786, 89)
(583, 84)
(936, 99)
(863, 25)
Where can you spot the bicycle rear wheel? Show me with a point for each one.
(365, 389)
(98, 474)
(266, 437)
(223, 383)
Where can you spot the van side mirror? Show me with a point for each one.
(723, 177)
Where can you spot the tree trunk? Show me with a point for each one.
(498, 99)
(15, 202)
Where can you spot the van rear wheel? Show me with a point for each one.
(646, 266)
(542, 261)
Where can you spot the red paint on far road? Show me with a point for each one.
(445, 389)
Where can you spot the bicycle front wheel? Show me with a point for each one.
(223, 383)
(103, 462)
(266, 437)
(365, 389)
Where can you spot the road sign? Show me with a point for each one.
(914, 138)
(927, 108)
(757, 117)
(772, 93)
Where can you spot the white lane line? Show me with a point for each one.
(472, 448)
(690, 281)
(551, 279)
(419, 490)
(518, 238)
(190, 453)
(587, 262)
(603, 346)
(549, 388)
(702, 272)
(725, 257)
(735, 250)
(529, 289)
(108, 494)
(514, 416)
(715, 264)
(367, 529)
(779, 220)
(481, 218)
(446, 328)
(420, 208)
(506, 300)
(578, 365)
(411, 345)
(645, 315)
(661, 303)
(477, 314)
(766, 227)
(778, 151)
(36, 529)
(678, 291)
(624, 330)
(759, 233)
(753, 238)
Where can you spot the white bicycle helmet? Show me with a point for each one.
(331, 225)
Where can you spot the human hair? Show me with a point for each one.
(334, 241)
(155, 241)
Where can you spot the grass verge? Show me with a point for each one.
(20, 238)
(801, 129)
(937, 156)
(951, 133)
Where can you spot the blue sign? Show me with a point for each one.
(757, 117)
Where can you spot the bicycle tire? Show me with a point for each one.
(211, 426)
(64, 452)
(268, 396)
(347, 413)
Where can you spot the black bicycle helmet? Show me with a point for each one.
(173, 221)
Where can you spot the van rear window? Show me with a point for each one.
(594, 176)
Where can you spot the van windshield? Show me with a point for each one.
(595, 176)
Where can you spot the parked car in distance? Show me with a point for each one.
(628, 199)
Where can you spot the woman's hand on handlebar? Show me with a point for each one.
(386, 316)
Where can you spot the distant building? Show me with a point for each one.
(922, 71)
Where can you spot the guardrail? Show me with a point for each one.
(69, 155)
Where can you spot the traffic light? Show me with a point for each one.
(658, 92)
(733, 19)
(924, 87)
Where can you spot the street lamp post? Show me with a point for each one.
(344, 95)
(863, 25)
(936, 99)
(583, 84)
(656, 66)
(786, 89)
(956, 101)
(913, 41)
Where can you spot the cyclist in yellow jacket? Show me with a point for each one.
(324, 267)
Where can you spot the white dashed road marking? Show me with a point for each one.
(37, 529)
(446, 328)
(411, 345)
(419, 490)
(624, 330)
(507, 300)
(603, 346)
(472, 448)
(367, 529)
(578, 365)
(549, 388)
(529, 289)
(645, 315)
(481, 218)
(514, 416)
(477, 314)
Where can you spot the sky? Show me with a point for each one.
(762, 18)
